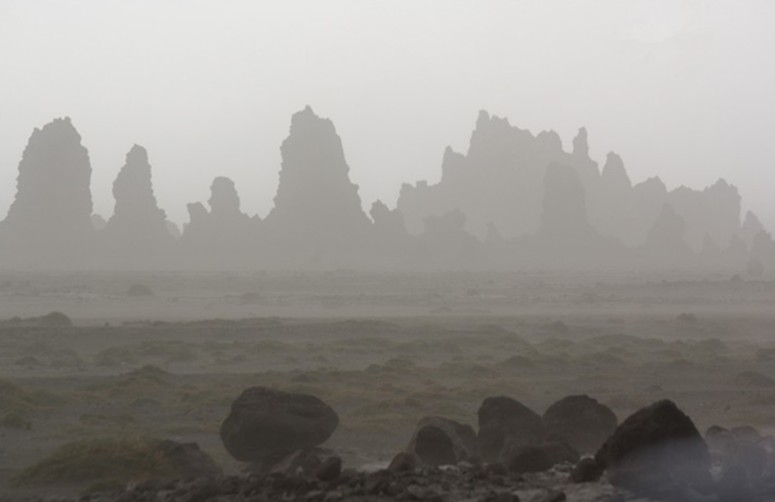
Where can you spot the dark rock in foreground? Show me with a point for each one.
(581, 422)
(465, 482)
(503, 419)
(586, 471)
(265, 425)
(441, 441)
(657, 452)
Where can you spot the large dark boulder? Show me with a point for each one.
(751, 457)
(718, 439)
(441, 441)
(503, 419)
(267, 424)
(581, 422)
(657, 452)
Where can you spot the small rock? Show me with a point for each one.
(586, 471)
(750, 456)
(734, 486)
(501, 497)
(441, 441)
(554, 496)
(403, 462)
(521, 459)
(330, 469)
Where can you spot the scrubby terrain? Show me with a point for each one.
(128, 371)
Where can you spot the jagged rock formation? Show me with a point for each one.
(751, 227)
(564, 212)
(499, 182)
(565, 237)
(49, 222)
(223, 236)
(714, 211)
(613, 193)
(317, 218)
(514, 200)
(665, 242)
(446, 245)
(392, 246)
(137, 234)
(762, 256)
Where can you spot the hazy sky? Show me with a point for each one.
(681, 89)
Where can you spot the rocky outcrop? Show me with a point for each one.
(504, 420)
(499, 180)
(714, 211)
(665, 244)
(136, 235)
(565, 238)
(317, 219)
(445, 244)
(657, 452)
(513, 201)
(580, 421)
(49, 222)
(265, 425)
(751, 227)
(441, 441)
(223, 237)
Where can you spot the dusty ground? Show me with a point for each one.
(382, 350)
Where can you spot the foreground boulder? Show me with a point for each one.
(742, 452)
(266, 425)
(657, 452)
(441, 441)
(503, 419)
(580, 421)
(718, 439)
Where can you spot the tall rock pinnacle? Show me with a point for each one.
(137, 227)
(317, 208)
(50, 218)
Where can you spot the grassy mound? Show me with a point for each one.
(14, 397)
(103, 460)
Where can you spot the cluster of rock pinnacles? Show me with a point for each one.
(656, 452)
(513, 200)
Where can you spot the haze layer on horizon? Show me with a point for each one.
(680, 89)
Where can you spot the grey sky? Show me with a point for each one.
(681, 89)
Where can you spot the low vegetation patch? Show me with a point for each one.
(101, 460)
